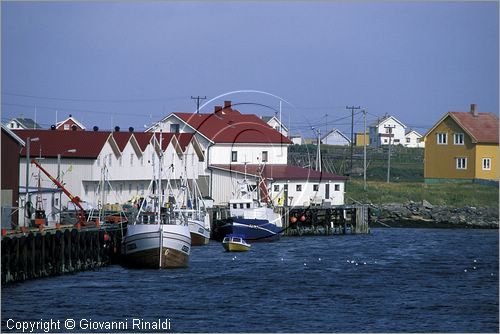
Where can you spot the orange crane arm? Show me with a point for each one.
(74, 199)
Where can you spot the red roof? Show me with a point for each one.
(143, 139)
(483, 127)
(184, 139)
(282, 172)
(88, 144)
(230, 126)
(122, 139)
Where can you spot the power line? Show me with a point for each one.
(93, 100)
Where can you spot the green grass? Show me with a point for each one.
(452, 195)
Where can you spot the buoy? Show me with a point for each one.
(302, 218)
(293, 219)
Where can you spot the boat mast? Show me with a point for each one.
(160, 198)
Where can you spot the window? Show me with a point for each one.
(98, 161)
(315, 187)
(234, 156)
(264, 156)
(337, 187)
(121, 161)
(121, 188)
(486, 163)
(276, 187)
(461, 163)
(109, 159)
(130, 188)
(66, 126)
(86, 189)
(235, 206)
(407, 140)
(248, 205)
(385, 141)
(298, 187)
(174, 128)
(458, 139)
(132, 160)
(396, 140)
(442, 138)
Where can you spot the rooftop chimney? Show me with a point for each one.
(217, 109)
(227, 104)
(473, 110)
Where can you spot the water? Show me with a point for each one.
(393, 280)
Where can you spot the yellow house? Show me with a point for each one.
(360, 139)
(462, 147)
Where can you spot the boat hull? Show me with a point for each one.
(235, 247)
(141, 246)
(199, 234)
(252, 229)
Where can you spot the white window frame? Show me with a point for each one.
(234, 156)
(486, 163)
(298, 187)
(458, 138)
(461, 163)
(442, 138)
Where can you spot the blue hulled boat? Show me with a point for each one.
(247, 218)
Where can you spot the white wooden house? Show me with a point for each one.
(387, 130)
(335, 137)
(413, 139)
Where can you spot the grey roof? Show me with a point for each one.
(27, 123)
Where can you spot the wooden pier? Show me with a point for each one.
(34, 253)
(315, 220)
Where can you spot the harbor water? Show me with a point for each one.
(391, 280)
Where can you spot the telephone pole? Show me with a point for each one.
(352, 129)
(198, 98)
(389, 127)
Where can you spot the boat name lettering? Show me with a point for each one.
(185, 249)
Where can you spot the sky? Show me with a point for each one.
(131, 63)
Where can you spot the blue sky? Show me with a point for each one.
(131, 63)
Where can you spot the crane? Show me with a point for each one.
(75, 199)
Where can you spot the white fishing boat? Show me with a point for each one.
(157, 238)
(192, 208)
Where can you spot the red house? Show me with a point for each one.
(11, 146)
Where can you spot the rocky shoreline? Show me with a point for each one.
(424, 214)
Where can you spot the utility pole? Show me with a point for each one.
(389, 153)
(352, 129)
(198, 98)
(318, 152)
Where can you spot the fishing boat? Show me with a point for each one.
(192, 208)
(157, 238)
(250, 218)
(235, 243)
